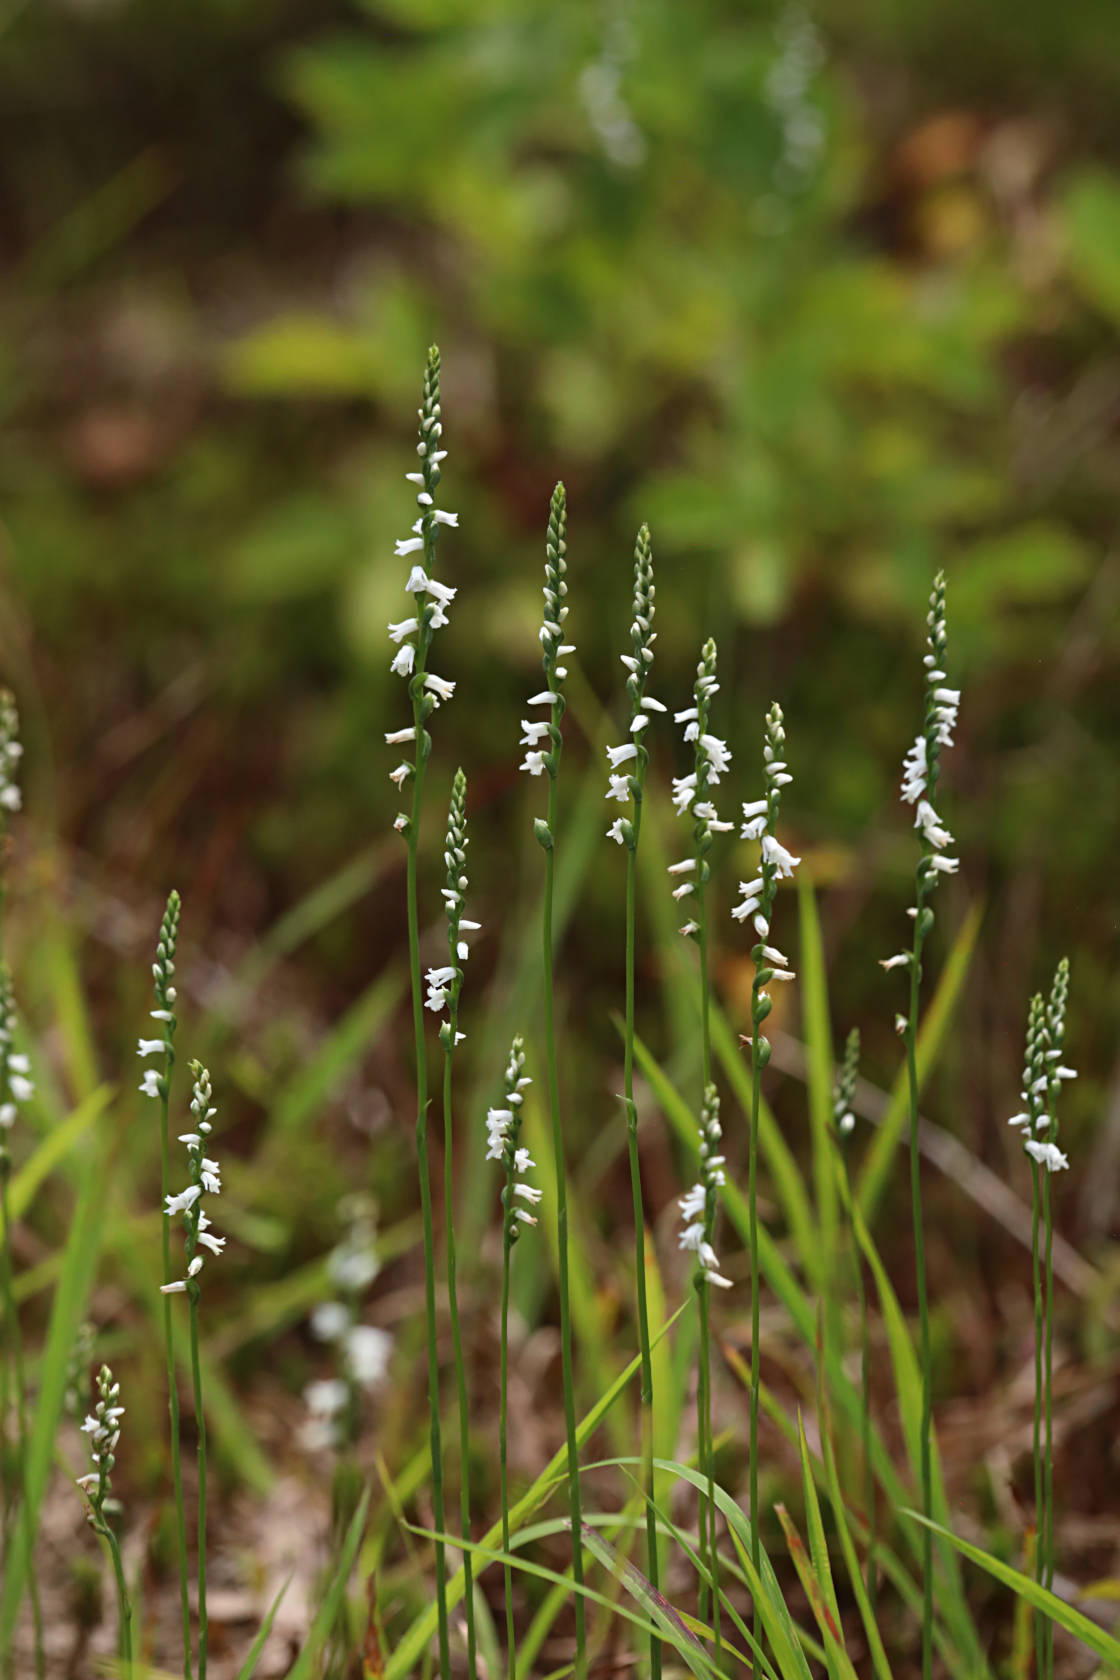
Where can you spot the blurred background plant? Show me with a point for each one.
(829, 297)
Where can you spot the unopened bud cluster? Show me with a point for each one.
(11, 751)
(843, 1094)
(445, 982)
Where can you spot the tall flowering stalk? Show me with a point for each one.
(205, 1180)
(156, 1083)
(11, 798)
(698, 1210)
(625, 831)
(103, 1426)
(919, 788)
(444, 987)
(539, 761)
(413, 637)
(691, 796)
(503, 1131)
(16, 1089)
(844, 1124)
(760, 819)
(1047, 1153)
(1043, 1075)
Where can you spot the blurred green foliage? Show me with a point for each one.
(830, 297)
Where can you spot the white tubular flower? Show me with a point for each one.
(406, 627)
(150, 1085)
(776, 863)
(614, 832)
(915, 769)
(624, 787)
(439, 687)
(622, 755)
(534, 763)
(618, 788)
(368, 1351)
(534, 733)
(205, 1179)
(150, 1047)
(1047, 1155)
(403, 660)
(103, 1426)
(438, 980)
(698, 1205)
(408, 545)
(546, 759)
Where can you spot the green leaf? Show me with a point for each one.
(818, 1045)
(248, 1667)
(1104, 1644)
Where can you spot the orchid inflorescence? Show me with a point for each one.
(920, 771)
(205, 1179)
(503, 1129)
(445, 982)
(698, 1205)
(103, 1426)
(11, 751)
(624, 785)
(1044, 1074)
(154, 1083)
(363, 1349)
(425, 688)
(539, 759)
(843, 1094)
(16, 1087)
(760, 819)
(690, 793)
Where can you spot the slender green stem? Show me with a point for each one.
(562, 1229)
(424, 1169)
(200, 1429)
(704, 1384)
(652, 1562)
(124, 1603)
(752, 1193)
(865, 1429)
(16, 1343)
(1048, 1457)
(457, 1344)
(923, 1307)
(169, 1355)
(503, 1462)
(1039, 1506)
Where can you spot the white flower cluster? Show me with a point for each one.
(628, 785)
(432, 615)
(698, 1205)
(445, 982)
(711, 759)
(103, 1426)
(16, 1086)
(11, 751)
(760, 817)
(205, 1180)
(503, 1128)
(363, 1349)
(538, 758)
(1044, 1074)
(920, 771)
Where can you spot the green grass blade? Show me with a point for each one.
(54, 1148)
(1096, 1638)
(654, 1603)
(79, 1267)
(837, 1659)
(337, 1053)
(818, 1545)
(414, 1641)
(248, 1667)
(328, 1610)
(880, 1162)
